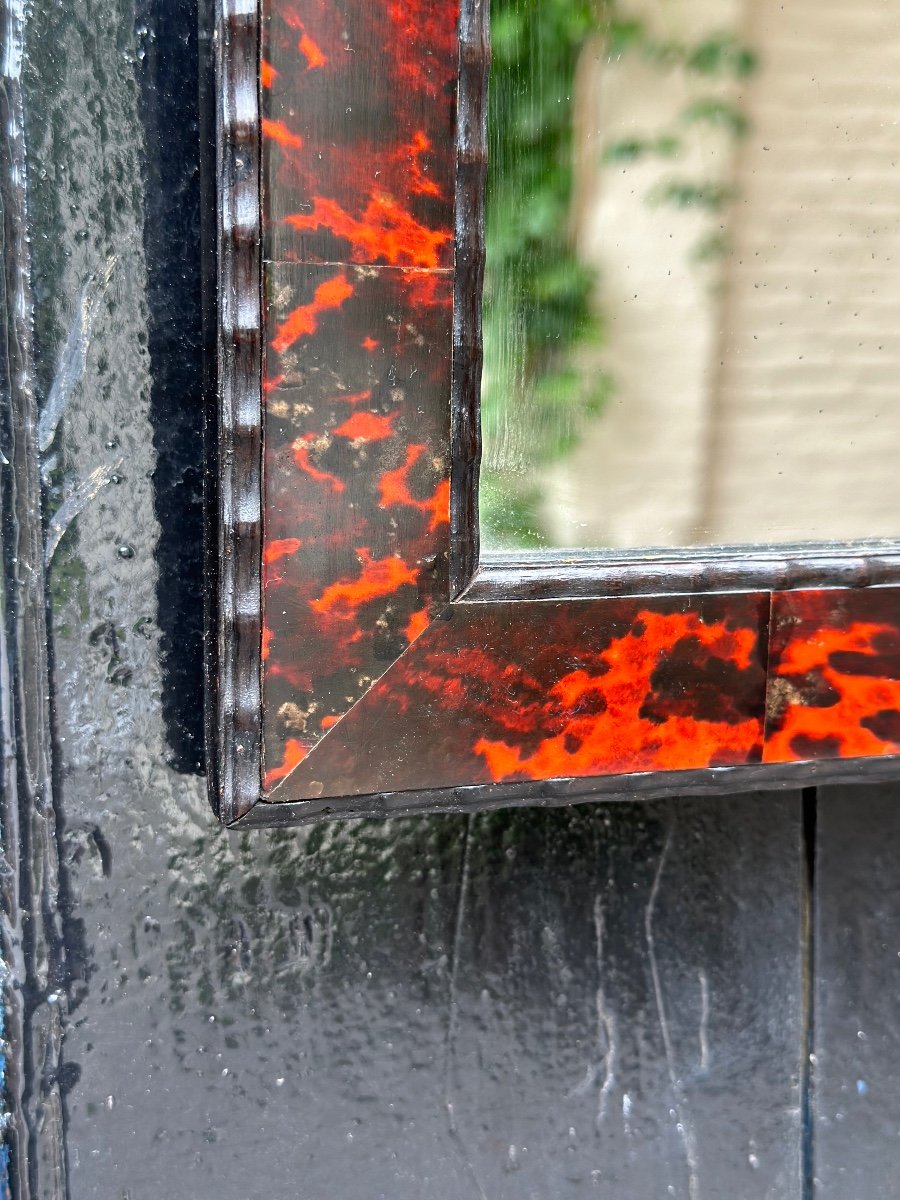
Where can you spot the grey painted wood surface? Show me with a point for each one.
(856, 1096)
(597, 1001)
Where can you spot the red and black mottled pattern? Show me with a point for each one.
(358, 130)
(364, 690)
(359, 111)
(356, 485)
(834, 675)
(531, 690)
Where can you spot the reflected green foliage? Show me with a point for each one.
(537, 294)
(543, 306)
(509, 510)
(721, 55)
(717, 113)
(66, 576)
(687, 193)
(631, 149)
(717, 55)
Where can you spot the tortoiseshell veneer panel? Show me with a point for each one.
(834, 675)
(542, 690)
(356, 485)
(359, 162)
(359, 118)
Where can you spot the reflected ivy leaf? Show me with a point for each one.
(684, 193)
(720, 113)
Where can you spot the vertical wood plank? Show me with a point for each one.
(856, 1077)
(627, 1001)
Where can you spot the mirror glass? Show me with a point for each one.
(692, 293)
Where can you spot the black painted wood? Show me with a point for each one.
(32, 882)
(552, 793)
(856, 1080)
(595, 1001)
(449, 1006)
(234, 497)
(627, 1001)
(557, 576)
(468, 354)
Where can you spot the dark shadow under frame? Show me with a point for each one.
(235, 492)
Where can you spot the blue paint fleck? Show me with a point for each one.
(862, 1088)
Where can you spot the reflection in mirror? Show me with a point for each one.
(692, 293)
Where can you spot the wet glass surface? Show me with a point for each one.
(691, 318)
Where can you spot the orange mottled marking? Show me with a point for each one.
(419, 182)
(379, 577)
(267, 73)
(298, 675)
(417, 624)
(291, 16)
(311, 52)
(370, 344)
(438, 505)
(304, 321)
(386, 230)
(294, 754)
(272, 383)
(300, 450)
(367, 427)
(859, 696)
(427, 289)
(280, 548)
(307, 47)
(609, 734)
(354, 397)
(329, 722)
(393, 488)
(426, 32)
(267, 636)
(278, 132)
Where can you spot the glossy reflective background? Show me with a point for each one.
(609, 1000)
(692, 323)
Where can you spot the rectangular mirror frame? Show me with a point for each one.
(526, 679)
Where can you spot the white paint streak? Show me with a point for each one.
(606, 1022)
(453, 1012)
(683, 1122)
(74, 504)
(73, 357)
(704, 1020)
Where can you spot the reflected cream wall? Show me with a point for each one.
(757, 395)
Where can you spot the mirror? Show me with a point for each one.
(691, 307)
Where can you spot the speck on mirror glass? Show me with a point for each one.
(692, 292)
